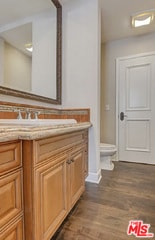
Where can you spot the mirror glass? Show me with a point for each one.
(17, 60)
(33, 74)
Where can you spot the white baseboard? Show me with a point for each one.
(94, 177)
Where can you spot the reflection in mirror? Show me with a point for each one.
(44, 55)
(17, 60)
(35, 76)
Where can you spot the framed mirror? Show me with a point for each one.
(42, 81)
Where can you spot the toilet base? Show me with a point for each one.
(106, 163)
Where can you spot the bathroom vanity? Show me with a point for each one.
(11, 190)
(42, 175)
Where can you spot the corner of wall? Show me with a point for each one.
(94, 177)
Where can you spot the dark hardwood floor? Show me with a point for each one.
(105, 209)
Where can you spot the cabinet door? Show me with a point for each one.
(10, 197)
(76, 176)
(50, 198)
(14, 232)
(86, 159)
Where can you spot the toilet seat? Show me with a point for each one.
(106, 153)
(107, 147)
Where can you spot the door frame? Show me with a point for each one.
(118, 60)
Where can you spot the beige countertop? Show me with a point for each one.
(14, 132)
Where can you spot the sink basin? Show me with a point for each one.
(36, 122)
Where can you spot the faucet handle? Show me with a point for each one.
(28, 114)
(19, 116)
(36, 115)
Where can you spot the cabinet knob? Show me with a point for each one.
(72, 160)
(68, 161)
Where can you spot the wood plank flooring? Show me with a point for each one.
(105, 209)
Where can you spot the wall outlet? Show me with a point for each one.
(107, 107)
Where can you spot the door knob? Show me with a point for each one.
(122, 115)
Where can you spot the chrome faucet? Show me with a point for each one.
(28, 115)
(36, 115)
(19, 116)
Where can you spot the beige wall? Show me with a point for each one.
(17, 69)
(111, 51)
(81, 69)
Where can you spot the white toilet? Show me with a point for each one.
(106, 153)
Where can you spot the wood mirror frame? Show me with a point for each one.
(22, 94)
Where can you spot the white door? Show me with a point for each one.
(136, 108)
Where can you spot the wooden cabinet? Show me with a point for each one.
(54, 173)
(76, 176)
(10, 156)
(51, 197)
(86, 156)
(11, 200)
(14, 231)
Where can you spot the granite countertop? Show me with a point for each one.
(14, 132)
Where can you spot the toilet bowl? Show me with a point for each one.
(106, 153)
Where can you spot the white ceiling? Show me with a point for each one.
(115, 15)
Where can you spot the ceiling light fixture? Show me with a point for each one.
(142, 19)
(29, 47)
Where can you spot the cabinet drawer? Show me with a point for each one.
(10, 156)
(45, 148)
(13, 232)
(10, 197)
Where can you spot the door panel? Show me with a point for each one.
(138, 87)
(138, 135)
(136, 131)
